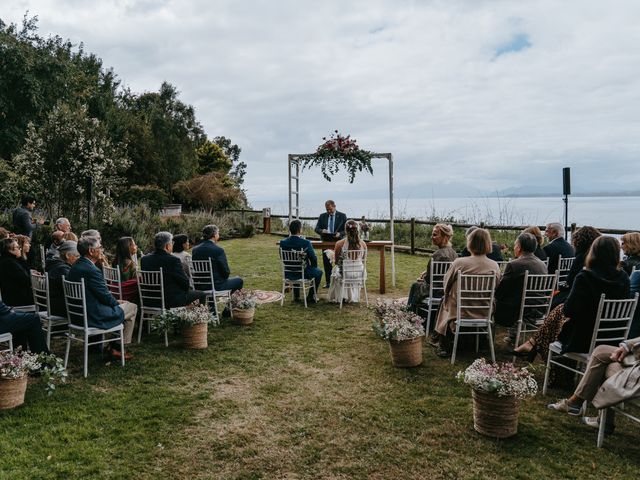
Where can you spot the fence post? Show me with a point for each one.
(573, 228)
(266, 220)
(413, 236)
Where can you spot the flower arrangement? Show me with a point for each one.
(502, 379)
(19, 364)
(188, 316)
(242, 300)
(396, 323)
(336, 151)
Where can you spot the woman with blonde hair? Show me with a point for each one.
(536, 232)
(353, 249)
(630, 243)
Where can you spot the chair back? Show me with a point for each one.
(436, 278)
(40, 289)
(202, 274)
(75, 299)
(354, 267)
(151, 289)
(43, 257)
(564, 266)
(546, 262)
(537, 295)
(112, 279)
(293, 263)
(502, 264)
(475, 296)
(613, 321)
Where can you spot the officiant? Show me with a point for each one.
(330, 227)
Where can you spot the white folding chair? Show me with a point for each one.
(475, 299)
(8, 339)
(113, 281)
(437, 272)
(75, 298)
(613, 320)
(294, 264)
(621, 408)
(43, 257)
(202, 278)
(42, 302)
(151, 291)
(354, 273)
(502, 264)
(21, 308)
(537, 296)
(564, 267)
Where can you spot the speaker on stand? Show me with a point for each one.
(566, 191)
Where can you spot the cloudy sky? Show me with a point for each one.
(469, 96)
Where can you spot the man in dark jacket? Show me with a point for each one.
(175, 281)
(209, 249)
(557, 246)
(331, 227)
(25, 329)
(57, 268)
(103, 310)
(23, 223)
(509, 290)
(295, 242)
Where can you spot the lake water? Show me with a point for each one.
(604, 212)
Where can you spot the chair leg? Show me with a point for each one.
(428, 324)
(455, 343)
(49, 335)
(85, 348)
(166, 339)
(490, 335)
(122, 346)
(546, 374)
(11, 348)
(479, 332)
(140, 327)
(366, 297)
(304, 294)
(602, 419)
(282, 299)
(66, 353)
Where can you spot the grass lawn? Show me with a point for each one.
(302, 393)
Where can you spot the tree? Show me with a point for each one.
(211, 158)
(57, 158)
(213, 191)
(232, 151)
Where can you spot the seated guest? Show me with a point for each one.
(103, 310)
(605, 362)
(509, 290)
(126, 260)
(634, 280)
(61, 225)
(24, 243)
(92, 232)
(535, 231)
(4, 233)
(557, 246)
(209, 249)
(180, 246)
(630, 243)
(15, 275)
(176, 283)
(70, 236)
(573, 322)
(57, 238)
(351, 243)
(495, 254)
(57, 268)
(479, 244)
(441, 238)
(102, 259)
(25, 328)
(295, 242)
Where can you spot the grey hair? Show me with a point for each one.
(162, 239)
(528, 242)
(210, 231)
(90, 233)
(62, 220)
(557, 228)
(470, 230)
(85, 243)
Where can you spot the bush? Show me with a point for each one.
(152, 195)
(213, 191)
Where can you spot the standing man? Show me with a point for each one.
(23, 222)
(209, 249)
(330, 227)
(557, 245)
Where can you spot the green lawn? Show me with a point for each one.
(299, 394)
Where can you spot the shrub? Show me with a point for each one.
(152, 195)
(213, 191)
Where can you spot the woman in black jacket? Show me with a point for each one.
(573, 323)
(15, 275)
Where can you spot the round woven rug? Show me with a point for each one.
(266, 296)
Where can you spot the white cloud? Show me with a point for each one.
(420, 79)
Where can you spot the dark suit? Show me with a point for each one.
(294, 242)
(22, 222)
(339, 223)
(175, 282)
(25, 329)
(56, 269)
(15, 281)
(556, 248)
(210, 250)
(103, 310)
(509, 290)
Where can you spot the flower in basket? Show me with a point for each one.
(19, 364)
(396, 323)
(501, 379)
(188, 316)
(242, 300)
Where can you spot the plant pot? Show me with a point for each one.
(243, 316)
(195, 336)
(494, 416)
(12, 392)
(406, 353)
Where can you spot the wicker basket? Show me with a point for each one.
(243, 316)
(12, 392)
(494, 416)
(195, 336)
(407, 353)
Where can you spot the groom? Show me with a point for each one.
(330, 227)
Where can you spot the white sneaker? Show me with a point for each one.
(564, 406)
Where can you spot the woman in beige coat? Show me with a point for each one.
(479, 244)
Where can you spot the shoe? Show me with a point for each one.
(312, 300)
(433, 339)
(530, 355)
(564, 406)
(226, 313)
(594, 422)
(117, 354)
(442, 351)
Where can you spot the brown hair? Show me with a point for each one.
(70, 236)
(632, 241)
(479, 242)
(583, 238)
(536, 232)
(604, 253)
(353, 236)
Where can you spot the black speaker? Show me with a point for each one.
(566, 181)
(89, 187)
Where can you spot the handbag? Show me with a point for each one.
(622, 386)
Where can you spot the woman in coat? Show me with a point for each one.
(479, 245)
(15, 275)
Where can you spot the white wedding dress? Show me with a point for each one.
(351, 266)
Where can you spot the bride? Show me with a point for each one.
(353, 251)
